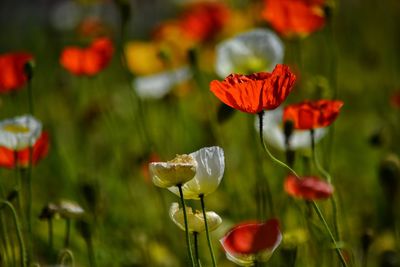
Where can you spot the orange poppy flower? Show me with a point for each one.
(309, 188)
(309, 115)
(12, 74)
(255, 92)
(11, 159)
(90, 60)
(248, 240)
(294, 17)
(202, 21)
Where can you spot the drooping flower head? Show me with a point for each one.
(203, 20)
(273, 132)
(90, 60)
(174, 172)
(255, 92)
(17, 136)
(253, 51)
(294, 17)
(12, 74)
(248, 242)
(308, 188)
(196, 222)
(309, 115)
(210, 168)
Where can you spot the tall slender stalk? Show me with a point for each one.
(316, 208)
(196, 247)
(207, 231)
(189, 247)
(23, 254)
(67, 232)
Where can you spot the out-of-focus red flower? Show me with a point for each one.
(294, 17)
(395, 100)
(309, 188)
(255, 92)
(309, 115)
(202, 21)
(12, 159)
(90, 60)
(12, 74)
(250, 239)
(93, 27)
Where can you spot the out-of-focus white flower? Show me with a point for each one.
(253, 51)
(69, 209)
(174, 172)
(196, 222)
(274, 135)
(19, 132)
(158, 85)
(209, 173)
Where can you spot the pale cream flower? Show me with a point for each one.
(20, 132)
(196, 222)
(174, 172)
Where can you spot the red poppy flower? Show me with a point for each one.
(395, 100)
(90, 60)
(309, 188)
(294, 17)
(246, 241)
(202, 21)
(11, 159)
(309, 115)
(12, 74)
(255, 92)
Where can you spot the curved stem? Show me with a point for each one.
(321, 217)
(260, 117)
(329, 179)
(19, 232)
(66, 254)
(186, 225)
(207, 231)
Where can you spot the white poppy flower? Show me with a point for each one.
(20, 132)
(195, 219)
(253, 51)
(174, 172)
(209, 173)
(70, 209)
(158, 85)
(274, 135)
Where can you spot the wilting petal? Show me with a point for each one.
(12, 74)
(172, 173)
(249, 241)
(256, 92)
(294, 17)
(196, 222)
(209, 173)
(274, 135)
(252, 51)
(309, 115)
(158, 85)
(309, 188)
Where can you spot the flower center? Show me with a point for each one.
(16, 128)
(252, 65)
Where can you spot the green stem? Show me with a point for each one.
(30, 97)
(50, 233)
(196, 247)
(29, 205)
(19, 233)
(329, 179)
(92, 259)
(66, 254)
(189, 247)
(321, 217)
(67, 232)
(207, 231)
(260, 117)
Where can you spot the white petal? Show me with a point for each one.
(209, 173)
(158, 85)
(17, 140)
(260, 44)
(273, 132)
